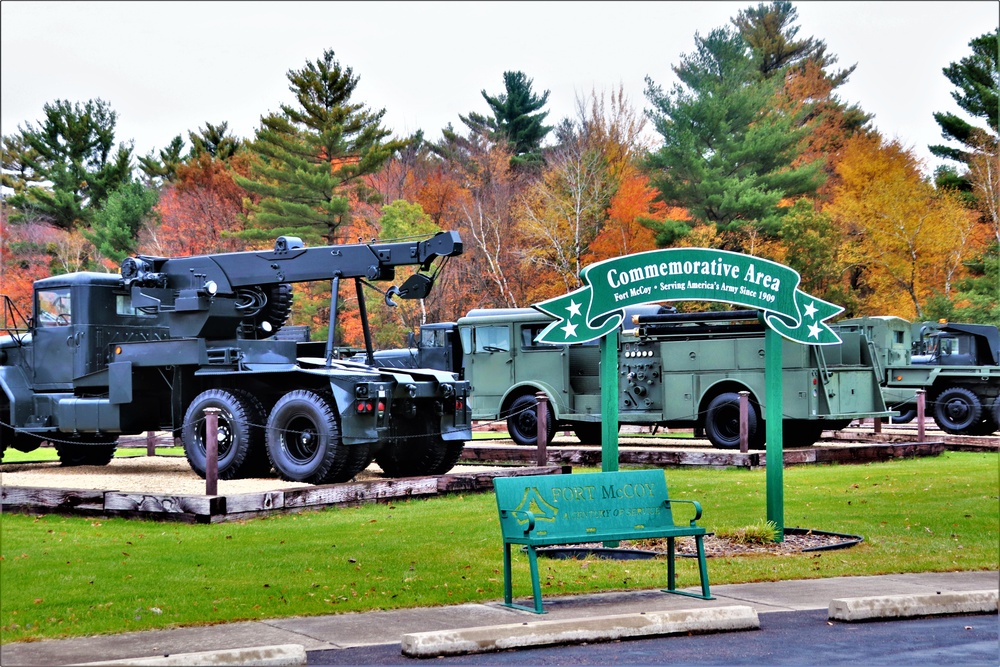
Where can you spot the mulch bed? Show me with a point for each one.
(796, 541)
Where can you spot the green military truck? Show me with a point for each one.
(674, 370)
(957, 365)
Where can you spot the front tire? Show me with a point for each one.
(522, 422)
(957, 411)
(303, 439)
(98, 450)
(722, 422)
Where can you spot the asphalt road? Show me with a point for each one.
(785, 638)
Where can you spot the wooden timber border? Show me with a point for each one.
(216, 509)
(671, 456)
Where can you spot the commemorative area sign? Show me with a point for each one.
(687, 274)
(595, 311)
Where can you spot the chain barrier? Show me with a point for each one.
(480, 426)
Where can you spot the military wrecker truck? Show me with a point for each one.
(150, 349)
(957, 365)
(675, 370)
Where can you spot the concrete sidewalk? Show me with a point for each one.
(241, 643)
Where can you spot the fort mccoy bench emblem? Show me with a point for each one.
(687, 274)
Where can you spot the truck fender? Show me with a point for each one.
(17, 394)
(720, 387)
(559, 408)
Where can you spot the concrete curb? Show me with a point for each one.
(902, 606)
(285, 655)
(600, 628)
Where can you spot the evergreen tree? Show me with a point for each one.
(516, 117)
(977, 80)
(769, 30)
(116, 226)
(214, 141)
(314, 155)
(728, 153)
(69, 163)
(163, 167)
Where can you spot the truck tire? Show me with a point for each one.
(256, 463)
(303, 438)
(269, 317)
(722, 422)
(801, 432)
(415, 450)
(957, 411)
(239, 432)
(358, 458)
(87, 450)
(996, 411)
(588, 433)
(452, 453)
(522, 422)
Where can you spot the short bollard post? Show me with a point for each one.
(877, 421)
(921, 406)
(542, 410)
(150, 443)
(212, 451)
(744, 425)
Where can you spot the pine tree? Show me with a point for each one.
(116, 226)
(162, 167)
(73, 151)
(314, 155)
(515, 118)
(727, 152)
(977, 80)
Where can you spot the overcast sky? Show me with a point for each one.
(170, 67)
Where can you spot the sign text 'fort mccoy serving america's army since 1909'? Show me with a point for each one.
(687, 274)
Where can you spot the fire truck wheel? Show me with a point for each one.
(722, 422)
(522, 422)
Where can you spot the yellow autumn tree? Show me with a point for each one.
(906, 241)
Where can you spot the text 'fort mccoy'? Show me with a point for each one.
(715, 276)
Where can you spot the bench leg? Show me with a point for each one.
(702, 571)
(536, 586)
(507, 588)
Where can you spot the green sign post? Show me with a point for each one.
(692, 274)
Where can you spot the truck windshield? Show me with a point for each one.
(52, 308)
(433, 338)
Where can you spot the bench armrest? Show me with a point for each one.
(531, 518)
(697, 508)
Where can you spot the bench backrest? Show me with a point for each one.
(583, 503)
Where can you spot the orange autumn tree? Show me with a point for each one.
(24, 258)
(623, 232)
(201, 211)
(905, 239)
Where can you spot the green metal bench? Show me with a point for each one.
(549, 510)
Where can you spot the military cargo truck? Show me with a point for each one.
(957, 365)
(150, 349)
(675, 370)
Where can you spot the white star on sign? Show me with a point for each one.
(814, 331)
(570, 329)
(810, 309)
(574, 308)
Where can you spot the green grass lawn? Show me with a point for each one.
(70, 576)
